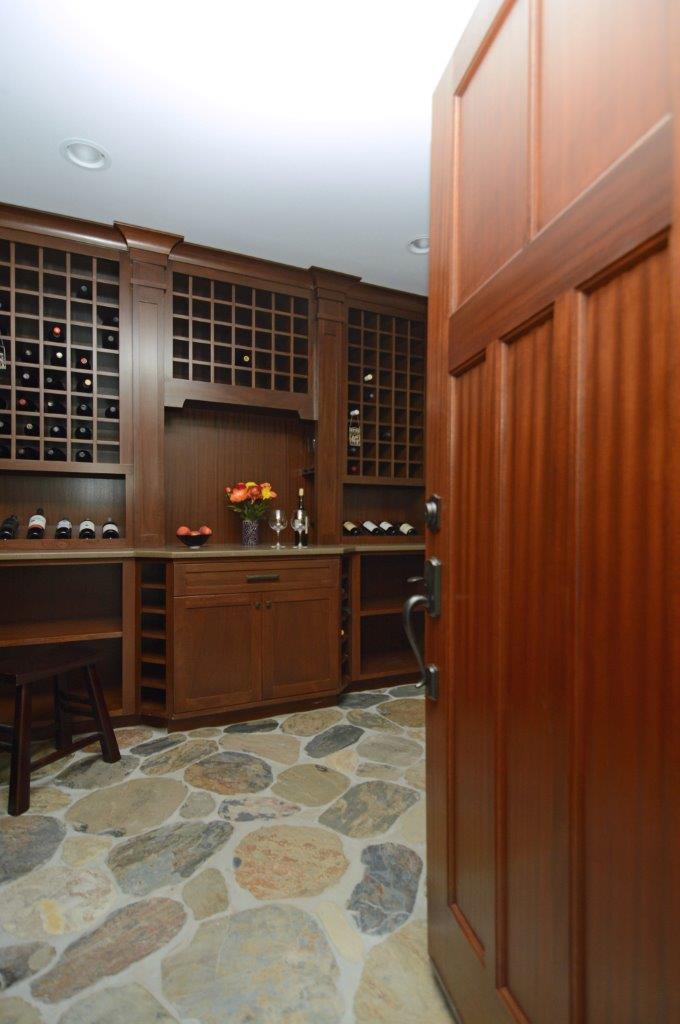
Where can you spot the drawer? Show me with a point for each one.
(231, 576)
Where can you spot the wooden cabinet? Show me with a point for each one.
(255, 631)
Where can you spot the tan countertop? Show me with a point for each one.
(79, 551)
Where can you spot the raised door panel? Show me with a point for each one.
(532, 786)
(591, 52)
(493, 155)
(625, 638)
(216, 648)
(301, 643)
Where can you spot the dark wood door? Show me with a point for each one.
(300, 643)
(216, 648)
(554, 426)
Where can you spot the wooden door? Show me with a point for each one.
(300, 643)
(554, 426)
(216, 651)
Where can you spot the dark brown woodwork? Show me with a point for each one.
(300, 642)
(554, 438)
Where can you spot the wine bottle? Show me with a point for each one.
(54, 453)
(111, 411)
(109, 340)
(55, 381)
(27, 354)
(83, 362)
(58, 357)
(351, 528)
(64, 530)
(353, 468)
(27, 378)
(353, 432)
(407, 529)
(36, 525)
(83, 455)
(5, 425)
(389, 529)
(9, 527)
(84, 409)
(242, 358)
(82, 290)
(27, 451)
(107, 316)
(5, 451)
(55, 406)
(110, 530)
(26, 404)
(86, 530)
(54, 332)
(83, 384)
(372, 528)
(302, 536)
(83, 432)
(31, 428)
(57, 430)
(4, 404)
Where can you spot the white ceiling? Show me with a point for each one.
(295, 131)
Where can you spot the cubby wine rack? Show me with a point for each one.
(59, 325)
(386, 385)
(228, 333)
(151, 659)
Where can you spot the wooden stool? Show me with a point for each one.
(22, 668)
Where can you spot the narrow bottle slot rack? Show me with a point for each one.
(152, 660)
(386, 388)
(226, 333)
(60, 327)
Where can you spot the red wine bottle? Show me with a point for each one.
(83, 362)
(26, 404)
(54, 332)
(86, 530)
(36, 525)
(9, 527)
(54, 453)
(64, 530)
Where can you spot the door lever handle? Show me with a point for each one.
(431, 599)
(410, 605)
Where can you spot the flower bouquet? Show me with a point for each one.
(250, 501)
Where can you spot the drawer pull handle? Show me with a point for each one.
(263, 577)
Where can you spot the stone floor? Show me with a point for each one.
(265, 872)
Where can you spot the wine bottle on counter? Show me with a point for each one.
(27, 451)
(111, 411)
(36, 525)
(110, 530)
(84, 409)
(55, 406)
(53, 453)
(83, 455)
(302, 536)
(407, 530)
(86, 531)
(54, 332)
(351, 528)
(389, 529)
(9, 527)
(372, 528)
(64, 530)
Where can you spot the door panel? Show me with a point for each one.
(553, 747)
(291, 667)
(216, 647)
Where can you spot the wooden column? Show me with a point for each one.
(149, 252)
(330, 290)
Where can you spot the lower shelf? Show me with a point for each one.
(387, 663)
(23, 634)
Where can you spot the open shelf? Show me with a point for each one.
(381, 665)
(22, 634)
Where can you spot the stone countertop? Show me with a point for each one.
(174, 551)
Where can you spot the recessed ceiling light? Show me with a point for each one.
(419, 246)
(84, 153)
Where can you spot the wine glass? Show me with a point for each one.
(300, 522)
(278, 522)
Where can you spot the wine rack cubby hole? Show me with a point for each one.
(152, 667)
(386, 385)
(229, 333)
(71, 496)
(376, 502)
(60, 325)
(65, 603)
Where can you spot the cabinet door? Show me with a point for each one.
(300, 643)
(217, 660)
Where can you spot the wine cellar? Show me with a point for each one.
(140, 375)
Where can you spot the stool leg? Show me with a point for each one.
(63, 727)
(20, 766)
(107, 737)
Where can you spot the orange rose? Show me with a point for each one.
(238, 494)
(255, 492)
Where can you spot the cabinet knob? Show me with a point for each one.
(267, 604)
(258, 605)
